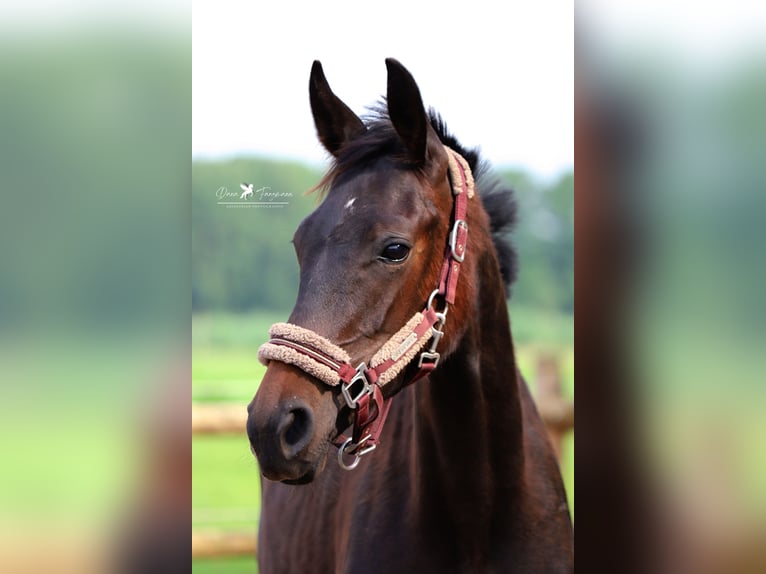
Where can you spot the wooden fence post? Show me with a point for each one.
(557, 413)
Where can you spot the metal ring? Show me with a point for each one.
(341, 452)
(430, 301)
(358, 454)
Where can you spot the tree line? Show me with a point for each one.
(242, 258)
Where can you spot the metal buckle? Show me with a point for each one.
(354, 450)
(352, 398)
(453, 240)
(429, 356)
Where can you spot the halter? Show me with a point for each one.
(361, 387)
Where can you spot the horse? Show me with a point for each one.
(449, 467)
(247, 190)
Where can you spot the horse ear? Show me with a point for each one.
(408, 116)
(335, 122)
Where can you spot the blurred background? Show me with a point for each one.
(94, 281)
(252, 123)
(671, 221)
(95, 267)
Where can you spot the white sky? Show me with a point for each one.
(501, 74)
(706, 34)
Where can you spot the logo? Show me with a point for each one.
(247, 190)
(263, 197)
(404, 346)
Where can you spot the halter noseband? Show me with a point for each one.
(361, 386)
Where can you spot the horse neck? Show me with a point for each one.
(469, 416)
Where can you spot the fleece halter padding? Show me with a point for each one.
(304, 349)
(331, 364)
(461, 179)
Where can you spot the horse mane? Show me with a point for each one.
(497, 196)
(381, 140)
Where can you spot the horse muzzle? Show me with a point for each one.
(288, 425)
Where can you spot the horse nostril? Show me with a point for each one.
(295, 431)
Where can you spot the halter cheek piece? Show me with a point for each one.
(361, 386)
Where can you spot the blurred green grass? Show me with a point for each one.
(225, 477)
(235, 565)
(225, 368)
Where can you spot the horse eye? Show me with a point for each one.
(395, 253)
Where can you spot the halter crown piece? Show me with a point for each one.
(361, 386)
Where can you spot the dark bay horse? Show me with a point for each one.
(463, 478)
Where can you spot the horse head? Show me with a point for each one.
(369, 255)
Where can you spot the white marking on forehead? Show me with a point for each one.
(350, 202)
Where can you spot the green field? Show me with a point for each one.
(225, 368)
